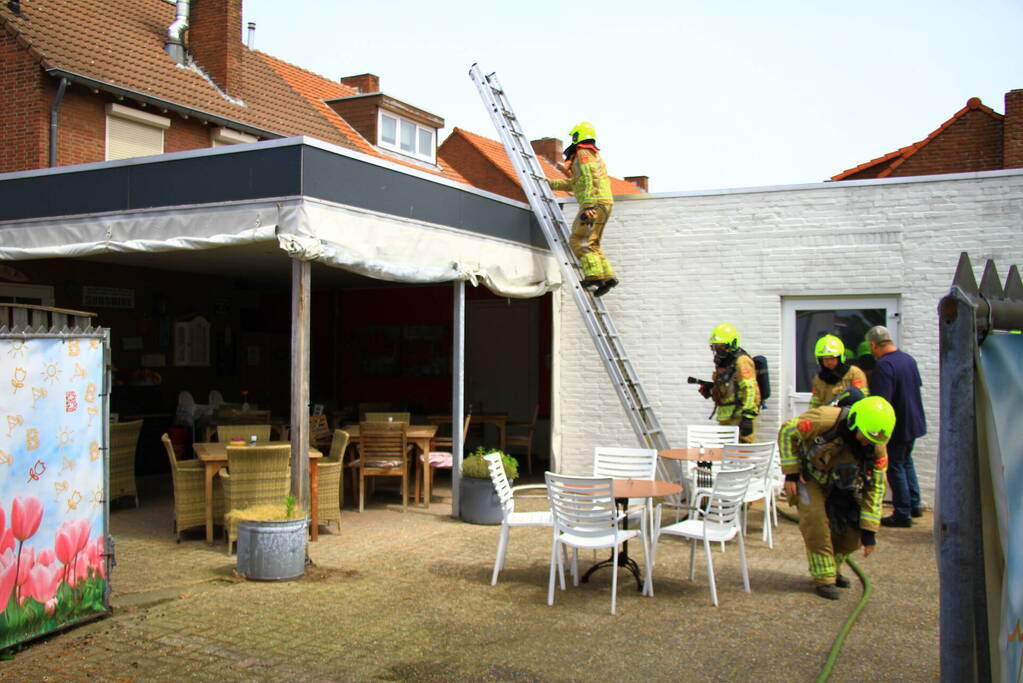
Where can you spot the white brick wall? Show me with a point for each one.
(689, 261)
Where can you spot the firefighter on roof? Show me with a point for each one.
(834, 460)
(592, 189)
(735, 391)
(834, 375)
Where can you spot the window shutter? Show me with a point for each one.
(127, 139)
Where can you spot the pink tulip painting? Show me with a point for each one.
(7, 540)
(8, 573)
(26, 514)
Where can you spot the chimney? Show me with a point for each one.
(364, 83)
(251, 39)
(1012, 130)
(640, 181)
(549, 148)
(215, 41)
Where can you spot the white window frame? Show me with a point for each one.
(134, 117)
(797, 402)
(429, 155)
(221, 136)
(192, 342)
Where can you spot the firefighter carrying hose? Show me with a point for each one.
(834, 460)
(834, 375)
(592, 189)
(734, 386)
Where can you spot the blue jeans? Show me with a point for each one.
(902, 478)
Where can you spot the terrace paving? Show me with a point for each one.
(406, 596)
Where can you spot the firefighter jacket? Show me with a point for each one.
(834, 463)
(589, 182)
(735, 390)
(824, 393)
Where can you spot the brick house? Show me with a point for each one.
(976, 138)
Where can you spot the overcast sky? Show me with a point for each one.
(696, 95)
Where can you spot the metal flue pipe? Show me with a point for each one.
(175, 45)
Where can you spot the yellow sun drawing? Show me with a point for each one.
(96, 498)
(51, 372)
(17, 349)
(64, 437)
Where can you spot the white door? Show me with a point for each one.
(805, 319)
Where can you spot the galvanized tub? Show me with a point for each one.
(478, 502)
(272, 550)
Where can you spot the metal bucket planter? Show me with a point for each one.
(478, 502)
(272, 550)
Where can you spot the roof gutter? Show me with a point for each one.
(163, 104)
(175, 45)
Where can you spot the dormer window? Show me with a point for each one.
(407, 137)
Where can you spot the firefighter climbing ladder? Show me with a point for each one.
(552, 222)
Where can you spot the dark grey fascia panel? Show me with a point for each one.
(258, 171)
(344, 180)
(159, 182)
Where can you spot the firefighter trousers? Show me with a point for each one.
(825, 549)
(585, 243)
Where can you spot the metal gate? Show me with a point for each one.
(55, 546)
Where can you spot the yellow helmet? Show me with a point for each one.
(874, 417)
(725, 333)
(582, 131)
(829, 345)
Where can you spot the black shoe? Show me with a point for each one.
(828, 591)
(591, 283)
(901, 522)
(608, 285)
(916, 512)
(841, 581)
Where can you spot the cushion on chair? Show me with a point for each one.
(439, 459)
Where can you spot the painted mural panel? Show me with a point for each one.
(52, 510)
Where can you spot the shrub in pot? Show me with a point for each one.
(478, 501)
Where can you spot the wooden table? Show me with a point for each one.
(214, 457)
(421, 436)
(276, 425)
(500, 420)
(694, 454)
(634, 488)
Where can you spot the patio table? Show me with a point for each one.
(214, 457)
(633, 488)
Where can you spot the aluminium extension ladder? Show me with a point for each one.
(552, 221)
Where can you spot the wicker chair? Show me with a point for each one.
(319, 432)
(124, 439)
(188, 478)
(227, 432)
(383, 452)
(256, 475)
(330, 495)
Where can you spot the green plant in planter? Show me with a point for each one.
(475, 467)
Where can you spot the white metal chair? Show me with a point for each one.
(718, 521)
(585, 516)
(509, 517)
(707, 436)
(760, 456)
(627, 463)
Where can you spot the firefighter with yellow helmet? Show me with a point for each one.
(592, 189)
(734, 387)
(835, 373)
(834, 460)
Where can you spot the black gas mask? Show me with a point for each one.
(723, 355)
(833, 375)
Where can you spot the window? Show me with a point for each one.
(38, 295)
(133, 133)
(807, 319)
(225, 136)
(406, 136)
(192, 342)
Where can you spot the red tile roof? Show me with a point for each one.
(494, 152)
(884, 166)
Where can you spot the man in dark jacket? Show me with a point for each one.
(897, 379)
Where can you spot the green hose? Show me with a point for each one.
(850, 620)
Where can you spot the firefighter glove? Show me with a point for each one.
(704, 390)
(867, 537)
(588, 214)
(745, 426)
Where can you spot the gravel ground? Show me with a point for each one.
(406, 596)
